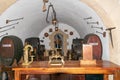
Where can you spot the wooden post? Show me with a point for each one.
(17, 75)
(105, 77)
(117, 75)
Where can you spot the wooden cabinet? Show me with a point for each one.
(94, 77)
(71, 67)
(62, 76)
(78, 77)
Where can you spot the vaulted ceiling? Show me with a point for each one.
(73, 13)
(70, 12)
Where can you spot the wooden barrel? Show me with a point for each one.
(94, 40)
(77, 48)
(11, 48)
(35, 42)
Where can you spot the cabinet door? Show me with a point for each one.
(61, 76)
(78, 77)
(94, 77)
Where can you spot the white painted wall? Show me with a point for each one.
(62, 27)
(70, 13)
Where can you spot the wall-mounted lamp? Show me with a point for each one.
(7, 29)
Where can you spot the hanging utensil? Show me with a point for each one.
(3, 34)
(110, 33)
(7, 29)
(104, 33)
(93, 22)
(88, 18)
(97, 27)
(8, 20)
(54, 19)
(9, 25)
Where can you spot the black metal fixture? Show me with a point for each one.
(93, 22)
(97, 27)
(110, 33)
(4, 35)
(88, 18)
(8, 20)
(9, 25)
(54, 19)
(104, 33)
(7, 29)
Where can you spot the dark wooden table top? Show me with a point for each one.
(72, 67)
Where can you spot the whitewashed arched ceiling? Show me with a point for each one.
(70, 12)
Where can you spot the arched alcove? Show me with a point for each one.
(63, 43)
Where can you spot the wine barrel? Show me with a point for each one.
(11, 48)
(77, 48)
(94, 40)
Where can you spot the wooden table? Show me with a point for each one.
(70, 67)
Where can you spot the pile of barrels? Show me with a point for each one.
(91, 39)
(11, 49)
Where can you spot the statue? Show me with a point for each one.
(56, 58)
(27, 49)
(58, 41)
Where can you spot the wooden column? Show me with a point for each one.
(105, 77)
(117, 75)
(17, 75)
